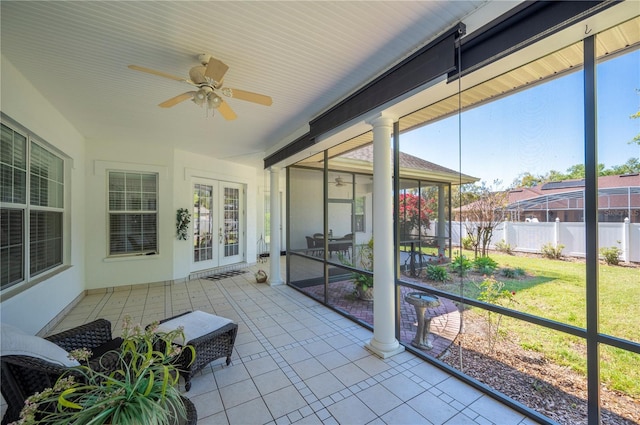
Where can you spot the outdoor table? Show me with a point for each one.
(420, 301)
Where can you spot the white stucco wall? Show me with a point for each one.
(307, 206)
(105, 155)
(188, 166)
(33, 308)
(176, 169)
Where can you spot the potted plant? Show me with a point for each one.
(183, 218)
(363, 283)
(143, 389)
(363, 286)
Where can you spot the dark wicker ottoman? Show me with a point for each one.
(208, 347)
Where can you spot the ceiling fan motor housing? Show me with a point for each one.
(204, 58)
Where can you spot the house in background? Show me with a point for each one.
(350, 188)
(618, 198)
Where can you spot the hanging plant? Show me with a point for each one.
(183, 219)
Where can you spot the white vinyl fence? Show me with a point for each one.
(529, 237)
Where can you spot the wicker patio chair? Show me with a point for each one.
(208, 347)
(23, 376)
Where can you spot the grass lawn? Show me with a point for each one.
(555, 289)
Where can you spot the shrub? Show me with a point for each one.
(504, 247)
(492, 291)
(611, 255)
(552, 252)
(512, 273)
(437, 273)
(485, 265)
(461, 265)
(467, 242)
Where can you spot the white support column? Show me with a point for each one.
(275, 277)
(384, 342)
(442, 222)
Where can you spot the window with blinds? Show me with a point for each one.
(133, 214)
(31, 186)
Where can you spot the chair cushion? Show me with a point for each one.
(14, 342)
(195, 325)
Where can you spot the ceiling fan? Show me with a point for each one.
(207, 78)
(339, 182)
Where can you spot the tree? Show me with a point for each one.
(464, 194)
(483, 215)
(636, 139)
(527, 180)
(414, 212)
(631, 166)
(555, 176)
(576, 171)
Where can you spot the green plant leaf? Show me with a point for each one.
(147, 391)
(66, 403)
(165, 381)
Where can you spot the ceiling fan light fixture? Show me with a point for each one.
(213, 100)
(198, 100)
(201, 94)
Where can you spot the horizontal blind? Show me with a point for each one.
(13, 166)
(133, 214)
(11, 246)
(45, 235)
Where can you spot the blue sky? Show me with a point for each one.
(538, 129)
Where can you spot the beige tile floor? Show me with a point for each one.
(295, 361)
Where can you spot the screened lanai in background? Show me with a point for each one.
(425, 211)
(618, 199)
(549, 99)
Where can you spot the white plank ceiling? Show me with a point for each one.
(305, 55)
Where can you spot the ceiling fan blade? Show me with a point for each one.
(175, 100)
(226, 111)
(159, 73)
(248, 96)
(216, 70)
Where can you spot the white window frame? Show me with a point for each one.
(57, 180)
(129, 210)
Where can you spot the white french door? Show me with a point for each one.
(230, 225)
(218, 224)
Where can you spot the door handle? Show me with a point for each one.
(220, 235)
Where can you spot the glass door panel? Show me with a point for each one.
(217, 224)
(203, 225)
(230, 237)
(340, 220)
